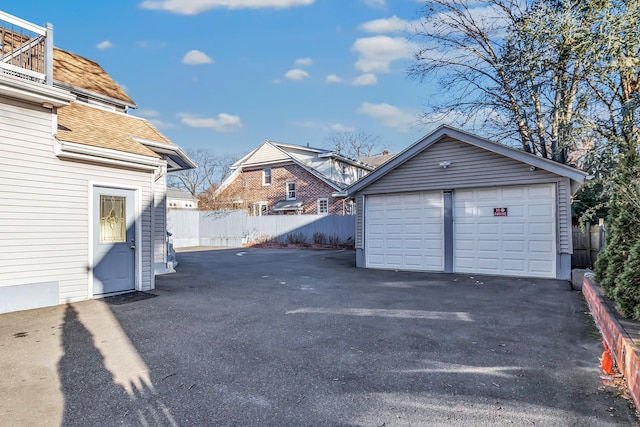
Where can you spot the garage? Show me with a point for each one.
(505, 231)
(457, 202)
(405, 231)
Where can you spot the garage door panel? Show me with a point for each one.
(483, 228)
(488, 245)
(513, 246)
(540, 228)
(521, 243)
(413, 229)
(543, 247)
(486, 194)
(414, 234)
(517, 228)
(540, 211)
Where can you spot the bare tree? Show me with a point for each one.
(354, 145)
(211, 170)
(517, 66)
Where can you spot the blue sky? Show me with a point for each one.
(225, 75)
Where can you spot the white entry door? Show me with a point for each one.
(405, 231)
(506, 231)
(114, 245)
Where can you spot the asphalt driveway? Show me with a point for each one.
(286, 337)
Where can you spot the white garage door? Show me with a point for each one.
(405, 231)
(521, 243)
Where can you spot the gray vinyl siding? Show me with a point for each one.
(265, 154)
(360, 221)
(44, 206)
(159, 224)
(471, 167)
(565, 244)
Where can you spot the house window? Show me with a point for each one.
(266, 176)
(291, 190)
(323, 206)
(259, 209)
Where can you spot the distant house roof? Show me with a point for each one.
(378, 160)
(74, 70)
(178, 194)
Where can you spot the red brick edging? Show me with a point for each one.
(625, 353)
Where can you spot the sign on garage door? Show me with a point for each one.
(405, 231)
(518, 241)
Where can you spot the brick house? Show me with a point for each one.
(280, 179)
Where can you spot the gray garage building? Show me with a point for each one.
(456, 202)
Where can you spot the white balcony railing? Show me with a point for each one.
(26, 50)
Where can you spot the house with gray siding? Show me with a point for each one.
(83, 189)
(456, 202)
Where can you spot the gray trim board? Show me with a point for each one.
(448, 230)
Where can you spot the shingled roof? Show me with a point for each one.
(74, 70)
(97, 127)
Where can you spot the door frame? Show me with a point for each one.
(138, 227)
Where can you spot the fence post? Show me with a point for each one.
(589, 258)
(601, 234)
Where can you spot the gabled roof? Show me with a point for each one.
(576, 176)
(105, 129)
(75, 71)
(274, 153)
(271, 153)
(84, 124)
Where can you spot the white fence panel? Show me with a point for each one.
(234, 228)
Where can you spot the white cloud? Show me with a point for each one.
(333, 78)
(366, 79)
(339, 127)
(375, 3)
(387, 25)
(193, 7)
(296, 74)
(161, 124)
(104, 45)
(389, 115)
(303, 62)
(223, 123)
(378, 52)
(195, 57)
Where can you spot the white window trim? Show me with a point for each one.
(264, 176)
(324, 199)
(257, 208)
(295, 191)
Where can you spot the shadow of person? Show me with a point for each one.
(91, 397)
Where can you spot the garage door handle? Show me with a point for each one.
(133, 247)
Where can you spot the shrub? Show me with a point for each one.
(319, 238)
(626, 292)
(334, 239)
(618, 265)
(296, 238)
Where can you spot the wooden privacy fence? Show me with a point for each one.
(235, 228)
(587, 244)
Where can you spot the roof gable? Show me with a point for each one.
(265, 153)
(446, 133)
